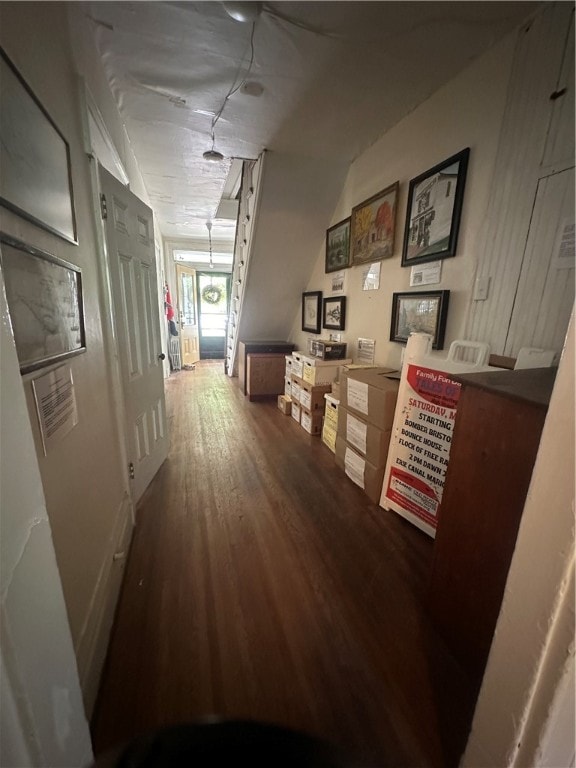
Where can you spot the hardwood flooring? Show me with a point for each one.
(262, 584)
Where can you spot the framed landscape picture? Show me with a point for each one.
(434, 210)
(419, 312)
(338, 246)
(311, 311)
(373, 226)
(334, 313)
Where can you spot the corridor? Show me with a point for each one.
(262, 584)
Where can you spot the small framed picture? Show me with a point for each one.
(373, 226)
(419, 312)
(338, 246)
(334, 313)
(45, 302)
(311, 311)
(434, 210)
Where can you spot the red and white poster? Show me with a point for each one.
(420, 445)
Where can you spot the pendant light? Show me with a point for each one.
(209, 228)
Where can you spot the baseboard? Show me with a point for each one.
(92, 644)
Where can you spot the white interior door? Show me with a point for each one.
(187, 314)
(129, 234)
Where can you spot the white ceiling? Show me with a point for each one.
(335, 76)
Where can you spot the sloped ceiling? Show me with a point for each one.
(334, 77)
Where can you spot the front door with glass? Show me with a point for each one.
(213, 304)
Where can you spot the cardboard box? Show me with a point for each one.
(324, 349)
(312, 396)
(296, 387)
(329, 436)
(265, 375)
(310, 421)
(288, 386)
(371, 394)
(331, 411)
(359, 470)
(295, 412)
(320, 371)
(289, 362)
(296, 367)
(368, 440)
(336, 390)
(285, 404)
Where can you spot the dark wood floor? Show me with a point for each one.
(262, 584)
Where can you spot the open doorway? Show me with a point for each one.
(213, 308)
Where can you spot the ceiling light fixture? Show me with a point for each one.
(243, 12)
(213, 156)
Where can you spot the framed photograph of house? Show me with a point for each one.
(419, 312)
(434, 210)
(334, 313)
(373, 227)
(311, 311)
(36, 178)
(45, 302)
(338, 246)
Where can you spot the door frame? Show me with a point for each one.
(228, 277)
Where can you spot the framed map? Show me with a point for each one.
(44, 297)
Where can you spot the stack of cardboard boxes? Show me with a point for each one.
(365, 416)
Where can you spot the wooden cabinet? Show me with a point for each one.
(260, 348)
(496, 436)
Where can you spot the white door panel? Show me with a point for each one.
(129, 237)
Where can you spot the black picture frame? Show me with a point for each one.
(338, 246)
(311, 311)
(36, 179)
(419, 312)
(434, 210)
(334, 313)
(45, 302)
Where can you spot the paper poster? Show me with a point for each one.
(338, 282)
(371, 277)
(426, 274)
(420, 446)
(56, 405)
(366, 351)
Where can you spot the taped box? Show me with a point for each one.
(370, 393)
(310, 421)
(285, 404)
(331, 411)
(366, 438)
(329, 436)
(312, 396)
(320, 371)
(359, 470)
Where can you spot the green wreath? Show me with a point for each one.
(212, 294)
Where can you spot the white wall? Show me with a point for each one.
(42, 719)
(83, 477)
(467, 112)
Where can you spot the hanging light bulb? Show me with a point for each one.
(209, 228)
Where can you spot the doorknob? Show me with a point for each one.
(161, 356)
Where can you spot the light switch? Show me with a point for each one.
(481, 288)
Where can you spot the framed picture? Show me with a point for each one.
(338, 246)
(334, 313)
(419, 312)
(433, 212)
(44, 297)
(373, 226)
(311, 311)
(36, 180)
